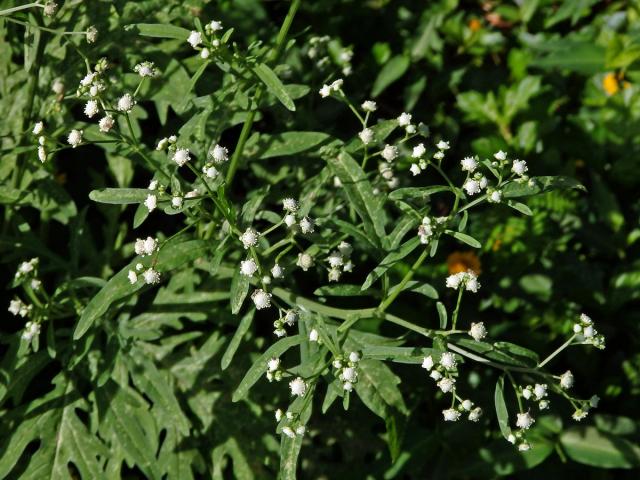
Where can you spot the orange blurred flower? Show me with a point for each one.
(475, 25)
(610, 84)
(462, 261)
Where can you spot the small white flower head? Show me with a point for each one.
(195, 38)
(337, 84)
(389, 152)
(146, 246)
(162, 144)
(579, 414)
(42, 154)
(106, 123)
(500, 155)
(475, 414)
(495, 196)
(279, 415)
(277, 271)
(519, 167)
(404, 119)
(469, 164)
(35, 284)
(418, 151)
(354, 357)
(205, 53)
(249, 238)
(369, 106)
(348, 267)
(334, 274)
(176, 202)
(153, 185)
(290, 205)
(524, 420)
(410, 129)
(527, 392)
(139, 267)
(451, 415)
(448, 360)
(92, 34)
(298, 387)
(219, 154)
(349, 374)
(305, 261)
(325, 91)
(50, 9)
(524, 446)
(132, 276)
(467, 405)
(125, 103)
(307, 225)
(454, 281)
(289, 220)
(210, 171)
(38, 128)
(442, 145)
(436, 375)
(366, 136)
(57, 86)
(439, 155)
(151, 202)
(288, 431)
(478, 331)
(446, 384)
(280, 332)
(214, 26)
(15, 306)
(261, 299)
(543, 404)
(300, 430)
(313, 335)
(566, 380)
(471, 186)
(181, 156)
(415, 169)
(151, 276)
(146, 69)
(291, 317)
(427, 363)
(75, 138)
(483, 182)
(471, 283)
(585, 319)
(347, 386)
(335, 259)
(248, 267)
(540, 391)
(31, 330)
(273, 364)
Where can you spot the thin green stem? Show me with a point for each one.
(11, 10)
(408, 276)
(557, 351)
(455, 312)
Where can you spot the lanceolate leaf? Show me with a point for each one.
(239, 290)
(275, 86)
(537, 185)
(463, 237)
(159, 30)
(501, 409)
(590, 446)
(119, 196)
(243, 328)
(286, 143)
(388, 261)
(378, 389)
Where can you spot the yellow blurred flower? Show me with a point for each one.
(462, 261)
(610, 84)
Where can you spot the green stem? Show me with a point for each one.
(385, 304)
(557, 351)
(455, 312)
(11, 10)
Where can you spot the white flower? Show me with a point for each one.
(153, 184)
(146, 246)
(305, 261)
(313, 335)
(524, 446)
(389, 153)
(106, 123)
(50, 9)
(139, 266)
(467, 405)
(543, 404)
(439, 155)
(210, 172)
(181, 156)
(404, 119)
(519, 167)
(369, 106)
(289, 432)
(442, 145)
(337, 84)
(162, 144)
(478, 331)
(410, 129)
(195, 38)
(42, 154)
(290, 205)
(334, 275)
(307, 225)
(527, 392)
(451, 415)
(205, 53)
(75, 138)
(151, 202)
(219, 154)
(132, 276)
(289, 220)
(566, 380)
(176, 202)
(448, 360)
(471, 186)
(349, 374)
(524, 420)
(261, 299)
(151, 276)
(248, 267)
(280, 332)
(249, 238)
(495, 196)
(540, 391)
(57, 86)
(291, 317)
(418, 151)
(277, 271)
(446, 384)
(475, 414)
(335, 259)
(471, 283)
(92, 34)
(88, 79)
(415, 169)
(454, 281)
(469, 164)
(348, 267)
(300, 430)
(347, 386)
(483, 182)
(502, 156)
(325, 91)
(38, 128)
(15, 306)
(273, 364)
(436, 375)
(585, 319)
(31, 330)
(298, 387)
(125, 103)
(146, 69)
(579, 414)
(354, 357)
(215, 25)
(278, 415)
(366, 136)
(427, 363)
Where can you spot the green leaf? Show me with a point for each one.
(391, 259)
(463, 237)
(159, 30)
(243, 328)
(582, 57)
(286, 144)
(377, 387)
(239, 290)
(521, 207)
(413, 355)
(442, 314)
(344, 290)
(392, 71)
(275, 86)
(360, 193)
(418, 192)
(526, 356)
(588, 445)
(290, 447)
(501, 408)
(258, 368)
(119, 196)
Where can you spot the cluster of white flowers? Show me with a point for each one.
(27, 269)
(346, 370)
(340, 261)
(586, 333)
(31, 330)
(404, 120)
(420, 150)
(273, 369)
(289, 319)
(366, 136)
(334, 87)
(150, 276)
(306, 225)
(38, 128)
(468, 280)
(475, 184)
(18, 308)
(430, 228)
(537, 393)
(146, 69)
